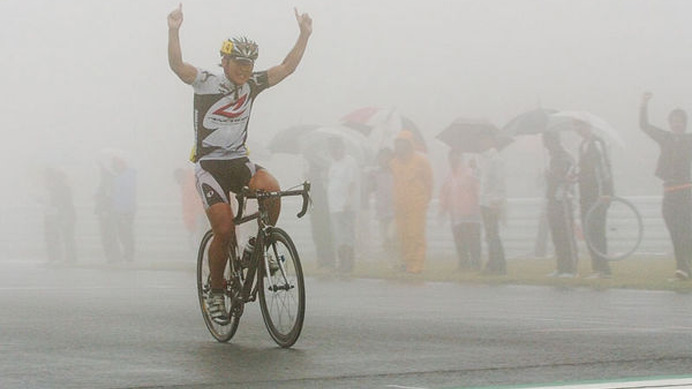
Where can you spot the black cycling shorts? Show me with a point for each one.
(216, 178)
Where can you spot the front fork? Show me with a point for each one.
(285, 285)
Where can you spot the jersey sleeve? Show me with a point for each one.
(258, 82)
(202, 83)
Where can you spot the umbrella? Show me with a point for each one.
(470, 135)
(315, 145)
(288, 140)
(570, 120)
(381, 126)
(365, 119)
(528, 123)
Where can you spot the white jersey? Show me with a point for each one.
(222, 113)
(343, 185)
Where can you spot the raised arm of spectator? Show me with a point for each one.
(654, 132)
(277, 73)
(186, 72)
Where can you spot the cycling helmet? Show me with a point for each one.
(240, 48)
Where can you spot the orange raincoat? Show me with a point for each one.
(413, 183)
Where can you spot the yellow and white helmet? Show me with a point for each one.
(240, 48)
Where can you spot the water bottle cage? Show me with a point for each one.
(246, 258)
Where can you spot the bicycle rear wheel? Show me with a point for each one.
(222, 332)
(282, 293)
(619, 221)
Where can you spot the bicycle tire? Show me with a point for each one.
(283, 308)
(221, 332)
(619, 214)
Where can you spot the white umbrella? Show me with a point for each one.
(381, 126)
(315, 144)
(569, 120)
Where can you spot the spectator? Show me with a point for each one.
(124, 206)
(59, 218)
(343, 194)
(115, 208)
(459, 199)
(320, 223)
(103, 201)
(595, 180)
(541, 245)
(673, 168)
(492, 201)
(559, 205)
(192, 209)
(382, 185)
(413, 181)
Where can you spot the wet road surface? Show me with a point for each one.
(125, 328)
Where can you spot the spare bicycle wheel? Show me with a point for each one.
(613, 228)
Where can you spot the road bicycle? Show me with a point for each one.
(619, 221)
(272, 272)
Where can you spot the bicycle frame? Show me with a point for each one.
(251, 280)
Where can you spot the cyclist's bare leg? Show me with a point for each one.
(221, 219)
(265, 181)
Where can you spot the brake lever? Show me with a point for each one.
(306, 199)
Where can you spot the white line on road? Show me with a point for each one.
(665, 383)
(677, 383)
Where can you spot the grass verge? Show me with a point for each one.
(645, 273)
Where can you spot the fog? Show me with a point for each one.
(80, 76)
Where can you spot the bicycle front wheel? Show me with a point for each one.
(613, 228)
(282, 292)
(223, 332)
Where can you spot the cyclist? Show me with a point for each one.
(222, 105)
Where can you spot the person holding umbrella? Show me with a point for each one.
(673, 167)
(595, 181)
(474, 135)
(492, 200)
(343, 195)
(459, 199)
(558, 178)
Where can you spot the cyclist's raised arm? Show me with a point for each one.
(186, 72)
(277, 73)
(654, 132)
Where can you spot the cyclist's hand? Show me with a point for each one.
(175, 18)
(304, 22)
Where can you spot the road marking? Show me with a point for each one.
(666, 383)
(81, 288)
(677, 383)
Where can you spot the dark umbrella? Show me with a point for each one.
(290, 140)
(471, 135)
(529, 123)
